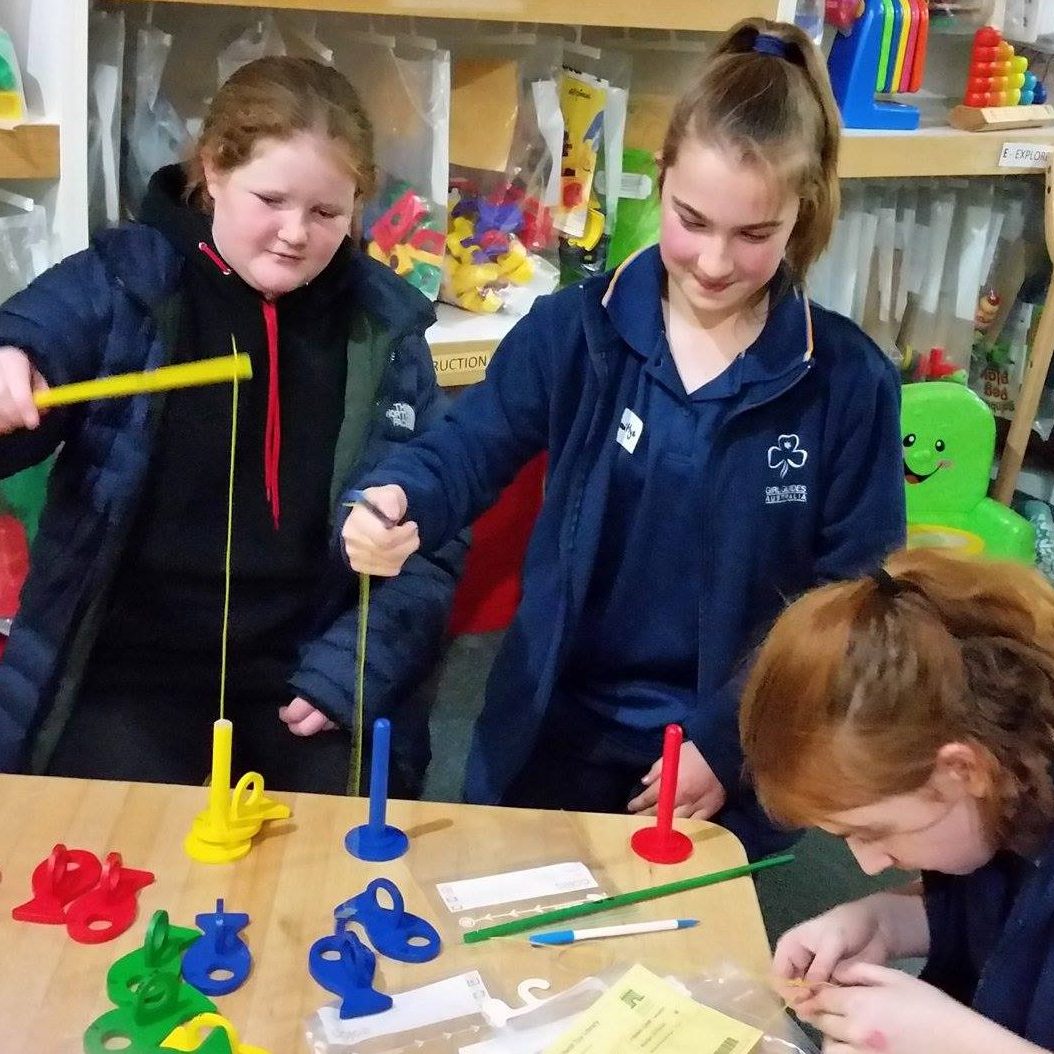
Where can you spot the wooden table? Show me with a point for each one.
(52, 988)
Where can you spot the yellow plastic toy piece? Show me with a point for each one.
(225, 830)
(592, 233)
(460, 229)
(902, 43)
(186, 375)
(516, 265)
(473, 276)
(933, 535)
(192, 1034)
(11, 107)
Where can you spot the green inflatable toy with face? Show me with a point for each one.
(948, 433)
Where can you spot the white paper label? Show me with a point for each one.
(455, 997)
(511, 886)
(633, 185)
(1025, 155)
(629, 430)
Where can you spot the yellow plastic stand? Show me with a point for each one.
(224, 831)
(192, 1035)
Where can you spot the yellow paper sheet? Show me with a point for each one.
(642, 1013)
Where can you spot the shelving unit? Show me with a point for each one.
(51, 148)
(694, 15)
(29, 151)
(932, 152)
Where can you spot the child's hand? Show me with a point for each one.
(878, 1009)
(303, 719)
(18, 382)
(813, 950)
(699, 792)
(374, 548)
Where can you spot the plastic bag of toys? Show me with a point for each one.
(404, 84)
(506, 135)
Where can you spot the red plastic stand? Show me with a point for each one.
(57, 881)
(661, 844)
(109, 909)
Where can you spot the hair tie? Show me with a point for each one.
(887, 584)
(767, 44)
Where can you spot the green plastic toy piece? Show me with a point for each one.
(948, 433)
(160, 1003)
(886, 48)
(8, 80)
(162, 951)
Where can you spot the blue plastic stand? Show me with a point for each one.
(393, 931)
(343, 965)
(219, 949)
(853, 65)
(378, 840)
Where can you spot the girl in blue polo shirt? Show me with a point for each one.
(912, 713)
(715, 443)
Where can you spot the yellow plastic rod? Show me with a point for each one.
(220, 784)
(186, 375)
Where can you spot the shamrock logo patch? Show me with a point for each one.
(787, 454)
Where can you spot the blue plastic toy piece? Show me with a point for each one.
(898, 29)
(1039, 96)
(853, 65)
(378, 840)
(218, 951)
(393, 931)
(343, 965)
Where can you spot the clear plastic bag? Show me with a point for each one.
(595, 87)
(105, 75)
(156, 135)
(532, 1028)
(404, 84)
(25, 243)
(261, 38)
(446, 1016)
(506, 128)
(463, 900)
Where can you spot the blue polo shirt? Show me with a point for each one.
(634, 655)
(992, 940)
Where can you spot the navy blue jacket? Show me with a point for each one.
(109, 310)
(559, 383)
(992, 941)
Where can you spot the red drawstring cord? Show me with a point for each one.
(214, 257)
(273, 428)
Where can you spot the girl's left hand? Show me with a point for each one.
(699, 792)
(876, 1009)
(303, 719)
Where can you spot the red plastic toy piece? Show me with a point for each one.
(661, 844)
(59, 879)
(109, 909)
(842, 14)
(393, 226)
(918, 70)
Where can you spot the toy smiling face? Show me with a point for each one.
(948, 436)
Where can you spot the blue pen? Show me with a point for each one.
(358, 498)
(571, 936)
